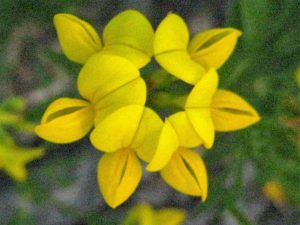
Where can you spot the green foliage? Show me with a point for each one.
(22, 217)
(95, 218)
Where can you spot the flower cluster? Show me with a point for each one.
(114, 96)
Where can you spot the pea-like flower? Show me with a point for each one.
(210, 109)
(129, 34)
(189, 61)
(180, 166)
(128, 133)
(106, 83)
(207, 110)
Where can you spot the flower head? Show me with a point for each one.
(114, 95)
(129, 34)
(189, 61)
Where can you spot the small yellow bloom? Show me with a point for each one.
(189, 61)
(107, 83)
(181, 168)
(210, 109)
(13, 158)
(129, 34)
(129, 132)
(274, 191)
(207, 110)
(144, 214)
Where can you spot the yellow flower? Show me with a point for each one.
(180, 167)
(144, 214)
(210, 109)
(274, 191)
(190, 61)
(207, 109)
(13, 158)
(129, 34)
(106, 82)
(129, 132)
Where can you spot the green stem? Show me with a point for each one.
(239, 216)
(238, 71)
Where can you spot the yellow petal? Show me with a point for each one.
(138, 58)
(186, 134)
(133, 92)
(203, 125)
(203, 92)
(198, 107)
(133, 127)
(130, 34)
(117, 130)
(170, 49)
(212, 48)
(197, 166)
(167, 145)
(119, 174)
(181, 176)
(171, 35)
(142, 214)
(231, 112)
(147, 135)
(78, 39)
(63, 106)
(180, 64)
(103, 74)
(170, 216)
(66, 120)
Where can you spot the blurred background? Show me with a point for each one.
(254, 174)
